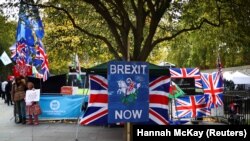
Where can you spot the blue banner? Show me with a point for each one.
(61, 107)
(128, 89)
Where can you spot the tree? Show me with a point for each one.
(7, 35)
(134, 26)
(230, 40)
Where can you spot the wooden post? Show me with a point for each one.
(128, 126)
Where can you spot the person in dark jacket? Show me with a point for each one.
(7, 92)
(1, 89)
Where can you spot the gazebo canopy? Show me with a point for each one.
(240, 78)
(153, 69)
(227, 76)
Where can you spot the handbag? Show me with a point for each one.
(37, 109)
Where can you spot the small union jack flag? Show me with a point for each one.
(187, 73)
(42, 60)
(191, 106)
(213, 89)
(19, 51)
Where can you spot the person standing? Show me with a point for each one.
(7, 92)
(1, 89)
(4, 83)
(18, 95)
(32, 108)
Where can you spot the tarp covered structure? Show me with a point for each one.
(240, 78)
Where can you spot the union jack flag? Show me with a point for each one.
(213, 89)
(158, 100)
(42, 60)
(187, 73)
(97, 111)
(19, 51)
(191, 106)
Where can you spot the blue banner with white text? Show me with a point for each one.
(128, 89)
(61, 107)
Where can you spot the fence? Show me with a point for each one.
(237, 107)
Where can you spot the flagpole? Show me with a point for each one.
(78, 120)
(175, 107)
(219, 66)
(174, 104)
(41, 85)
(128, 125)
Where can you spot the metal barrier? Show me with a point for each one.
(237, 107)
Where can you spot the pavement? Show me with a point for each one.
(59, 131)
(47, 131)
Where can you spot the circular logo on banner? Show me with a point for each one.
(54, 105)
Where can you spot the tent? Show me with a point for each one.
(52, 85)
(227, 76)
(240, 78)
(153, 69)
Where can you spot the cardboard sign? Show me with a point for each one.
(186, 84)
(32, 95)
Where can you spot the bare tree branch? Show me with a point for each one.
(133, 6)
(126, 24)
(140, 24)
(155, 19)
(102, 38)
(203, 21)
(150, 5)
(103, 11)
(184, 30)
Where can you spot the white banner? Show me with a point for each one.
(32, 95)
(5, 58)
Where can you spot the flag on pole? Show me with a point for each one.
(24, 30)
(29, 28)
(175, 91)
(41, 59)
(219, 66)
(5, 58)
(36, 23)
(77, 64)
(187, 73)
(191, 107)
(35, 73)
(213, 89)
(78, 69)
